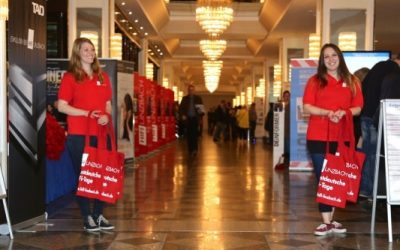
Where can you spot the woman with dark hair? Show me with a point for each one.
(85, 96)
(327, 97)
(127, 117)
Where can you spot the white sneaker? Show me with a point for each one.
(89, 225)
(104, 223)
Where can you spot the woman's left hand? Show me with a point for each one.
(103, 120)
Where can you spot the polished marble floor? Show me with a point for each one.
(227, 197)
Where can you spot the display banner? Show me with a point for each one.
(154, 125)
(149, 122)
(260, 107)
(163, 99)
(140, 121)
(278, 135)
(302, 70)
(27, 110)
(124, 103)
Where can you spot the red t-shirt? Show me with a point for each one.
(335, 95)
(89, 94)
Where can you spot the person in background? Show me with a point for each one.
(189, 113)
(252, 122)
(127, 118)
(360, 74)
(242, 117)
(222, 119)
(269, 122)
(327, 96)
(286, 144)
(85, 97)
(371, 88)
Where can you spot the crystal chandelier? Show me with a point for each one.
(212, 49)
(212, 72)
(214, 16)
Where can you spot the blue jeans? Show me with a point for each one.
(369, 137)
(318, 160)
(75, 146)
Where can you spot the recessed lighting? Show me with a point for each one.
(130, 12)
(152, 53)
(141, 27)
(116, 13)
(158, 50)
(130, 27)
(161, 54)
(134, 33)
(123, 21)
(148, 50)
(123, 3)
(136, 20)
(155, 46)
(146, 33)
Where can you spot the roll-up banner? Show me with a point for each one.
(302, 69)
(27, 111)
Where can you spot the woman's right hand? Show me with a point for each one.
(95, 114)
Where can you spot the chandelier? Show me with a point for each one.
(214, 16)
(212, 72)
(212, 49)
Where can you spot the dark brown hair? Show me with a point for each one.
(343, 71)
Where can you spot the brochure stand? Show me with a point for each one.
(389, 122)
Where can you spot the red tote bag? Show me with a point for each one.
(332, 186)
(354, 161)
(102, 170)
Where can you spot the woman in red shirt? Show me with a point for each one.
(84, 88)
(327, 96)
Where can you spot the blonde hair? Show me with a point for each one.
(75, 64)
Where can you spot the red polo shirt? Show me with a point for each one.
(335, 95)
(87, 95)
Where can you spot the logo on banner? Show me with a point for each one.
(37, 9)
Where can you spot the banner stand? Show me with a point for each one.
(3, 196)
(388, 122)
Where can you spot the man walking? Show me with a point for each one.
(190, 110)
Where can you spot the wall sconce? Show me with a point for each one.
(92, 36)
(116, 46)
(149, 71)
(180, 95)
(260, 90)
(175, 90)
(249, 95)
(165, 82)
(3, 10)
(242, 98)
(348, 41)
(314, 45)
(277, 85)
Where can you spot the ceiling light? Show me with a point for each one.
(146, 33)
(213, 16)
(141, 27)
(212, 72)
(136, 20)
(134, 33)
(130, 12)
(123, 3)
(212, 49)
